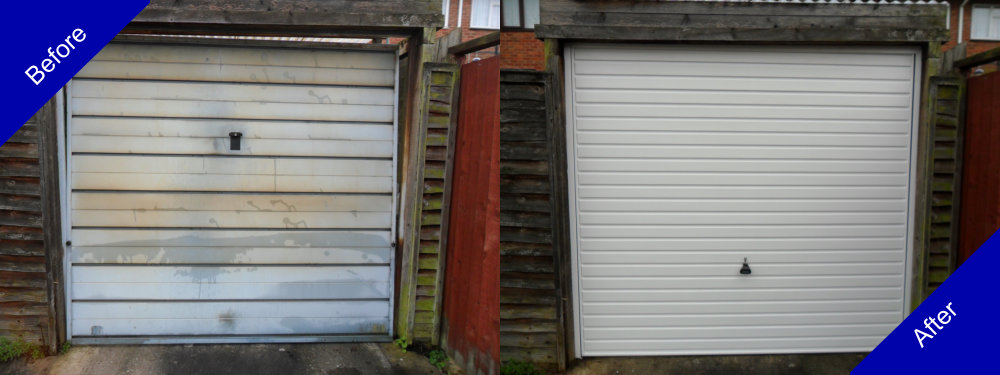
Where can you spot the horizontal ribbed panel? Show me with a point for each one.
(686, 159)
(175, 233)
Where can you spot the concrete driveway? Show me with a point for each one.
(311, 359)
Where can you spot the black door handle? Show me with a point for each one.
(234, 140)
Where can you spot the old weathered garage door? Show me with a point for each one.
(686, 160)
(180, 229)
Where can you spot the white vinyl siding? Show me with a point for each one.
(684, 160)
(175, 235)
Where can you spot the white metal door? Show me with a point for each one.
(176, 234)
(684, 160)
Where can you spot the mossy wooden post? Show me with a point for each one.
(407, 241)
(436, 188)
(925, 175)
(425, 194)
(554, 103)
(947, 111)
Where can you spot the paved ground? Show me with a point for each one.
(813, 364)
(304, 359)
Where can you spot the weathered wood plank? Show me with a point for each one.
(672, 33)
(527, 281)
(525, 219)
(551, 8)
(26, 134)
(22, 294)
(14, 279)
(19, 202)
(526, 202)
(528, 311)
(518, 131)
(527, 326)
(21, 248)
(513, 185)
(524, 151)
(19, 150)
(528, 340)
(745, 21)
(9, 232)
(528, 264)
(17, 167)
(21, 218)
(532, 92)
(521, 167)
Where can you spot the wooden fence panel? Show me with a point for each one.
(472, 281)
(25, 310)
(530, 325)
(981, 164)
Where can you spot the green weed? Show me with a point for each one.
(13, 349)
(401, 343)
(65, 347)
(438, 358)
(515, 367)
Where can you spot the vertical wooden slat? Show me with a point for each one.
(51, 222)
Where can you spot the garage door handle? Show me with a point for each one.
(745, 270)
(234, 140)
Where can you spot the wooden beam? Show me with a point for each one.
(329, 13)
(183, 40)
(469, 46)
(737, 8)
(317, 31)
(727, 34)
(741, 21)
(979, 59)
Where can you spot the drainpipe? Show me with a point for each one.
(461, 4)
(947, 20)
(961, 20)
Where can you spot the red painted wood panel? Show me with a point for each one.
(472, 271)
(980, 216)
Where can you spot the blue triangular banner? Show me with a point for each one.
(949, 332)
(46, 44)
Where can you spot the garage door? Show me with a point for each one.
(232, 192)
(686, 160)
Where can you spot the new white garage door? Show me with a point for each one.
(684, 160)
(174, 233)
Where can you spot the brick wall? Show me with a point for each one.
(521, 50)
(972, 46)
